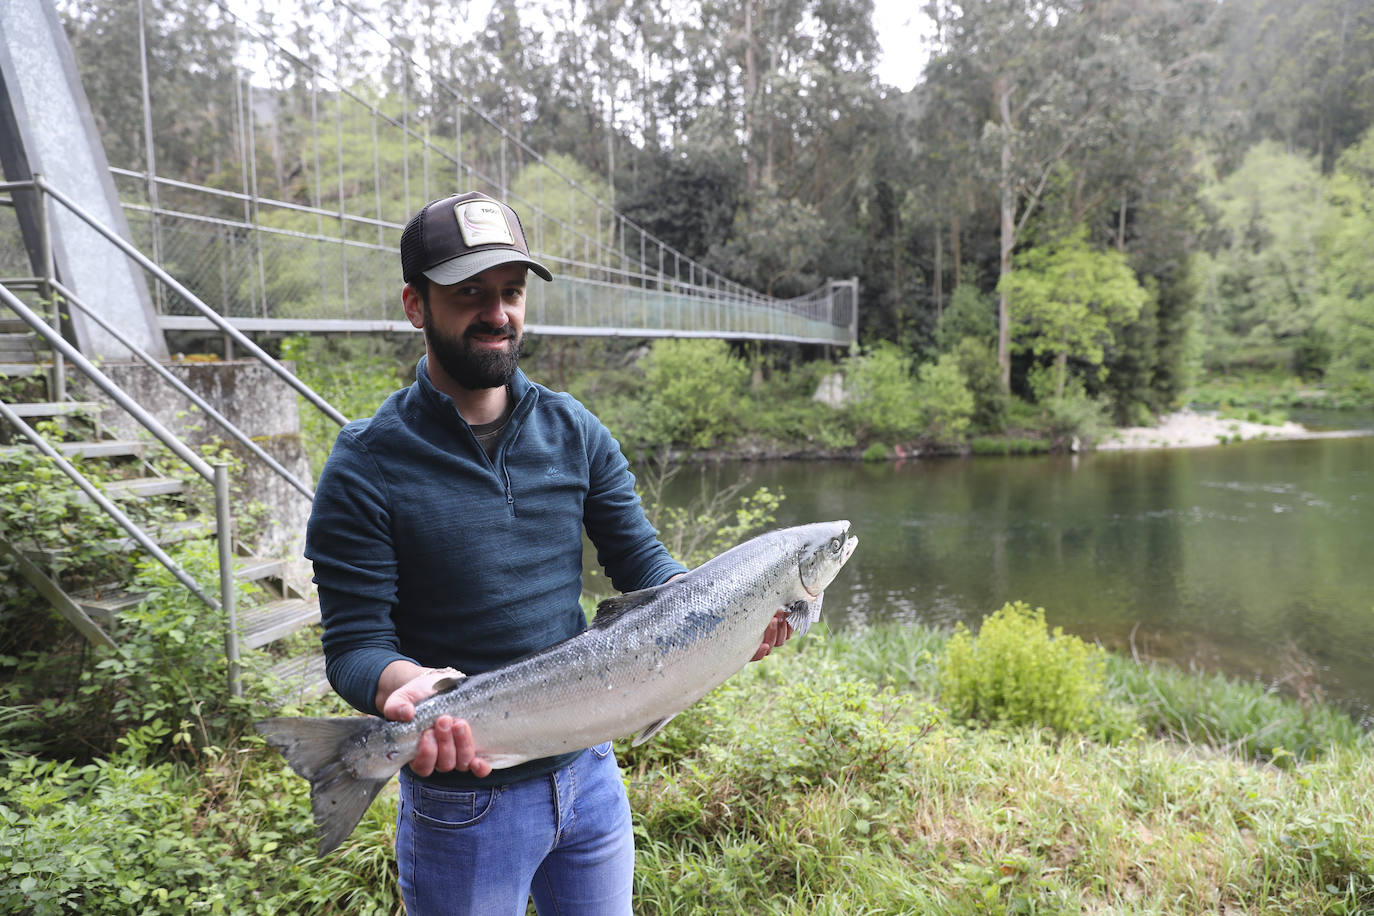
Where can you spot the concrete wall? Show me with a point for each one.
(258, 403)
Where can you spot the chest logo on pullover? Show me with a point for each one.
(551, 472)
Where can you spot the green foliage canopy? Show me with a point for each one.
(1068, 300)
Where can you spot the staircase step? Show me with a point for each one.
(106, 606)
(53, 408)
(17, 347)
(171, 533)
(276, 619)
(103, 448)
(300, 679)
(144, 486)
(14, 369)
(251, 569)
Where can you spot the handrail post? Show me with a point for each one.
(224, 529)
(49, 295)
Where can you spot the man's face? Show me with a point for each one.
(473, 329)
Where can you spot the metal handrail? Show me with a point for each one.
(106, 504)
(224, 422)
(176, 286)
(217, 475)
(102, 381)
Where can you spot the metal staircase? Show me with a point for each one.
(154, 490)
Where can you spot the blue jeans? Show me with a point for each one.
(564, 838)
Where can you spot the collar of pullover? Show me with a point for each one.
(436, 400)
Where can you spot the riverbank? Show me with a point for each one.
(1192, 429)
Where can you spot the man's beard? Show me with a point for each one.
(474, 369)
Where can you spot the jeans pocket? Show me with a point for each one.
(602, 751)
(452, 809)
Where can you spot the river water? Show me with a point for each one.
(1255, 559)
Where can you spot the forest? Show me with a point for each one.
(1098, 200)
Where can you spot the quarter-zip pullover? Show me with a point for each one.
(427, 549)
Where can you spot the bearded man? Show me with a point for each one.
(446, 534)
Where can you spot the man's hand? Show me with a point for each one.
(778, 632)
(448, 745)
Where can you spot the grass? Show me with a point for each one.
(829, 779)
(1008, 821)
(1268, 392)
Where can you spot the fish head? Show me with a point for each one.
(825, 548)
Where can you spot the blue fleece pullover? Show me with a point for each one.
(426, 549)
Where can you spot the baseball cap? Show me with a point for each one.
(458, 237)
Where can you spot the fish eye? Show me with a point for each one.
(835, 545)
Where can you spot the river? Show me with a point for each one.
(1254, 559)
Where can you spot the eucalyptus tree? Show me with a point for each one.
(1064, 91)
(1300, 72)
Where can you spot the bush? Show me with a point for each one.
(692, 392)
(946, 402)
(884, 402)
(875, 452)
(1072, 413)
(978, 363)
(1018, 672)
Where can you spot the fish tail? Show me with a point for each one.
(314, 747)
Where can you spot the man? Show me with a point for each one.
(446, 534)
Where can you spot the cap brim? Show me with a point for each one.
(469, 265)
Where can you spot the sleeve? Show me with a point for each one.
(348, 539)
(627, 546)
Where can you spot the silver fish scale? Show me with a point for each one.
(646, 665)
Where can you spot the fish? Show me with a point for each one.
(646, 656)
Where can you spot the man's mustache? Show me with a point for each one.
(490, 330)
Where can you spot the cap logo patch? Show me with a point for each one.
(482, 223)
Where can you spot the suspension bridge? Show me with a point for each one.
(310, 171)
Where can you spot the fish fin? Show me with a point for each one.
(314, 749)
(801, 614)
(501, 761)
(445, 684)
(616, 605)
(653, 728)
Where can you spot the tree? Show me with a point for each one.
(1059, 88)
(1068, 300)
(1347, 276)
(1299, 72)
(774, 245)
(1260, 286)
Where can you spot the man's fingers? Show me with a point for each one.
(775, 634)
(444, 738)
(425, 754)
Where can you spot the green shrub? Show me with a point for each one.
(1017, 672)
(1011, 445)
(883, 394)
(692, 392)
(947, 405)
(978, 363)
(1072, 413)
(876, 452)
